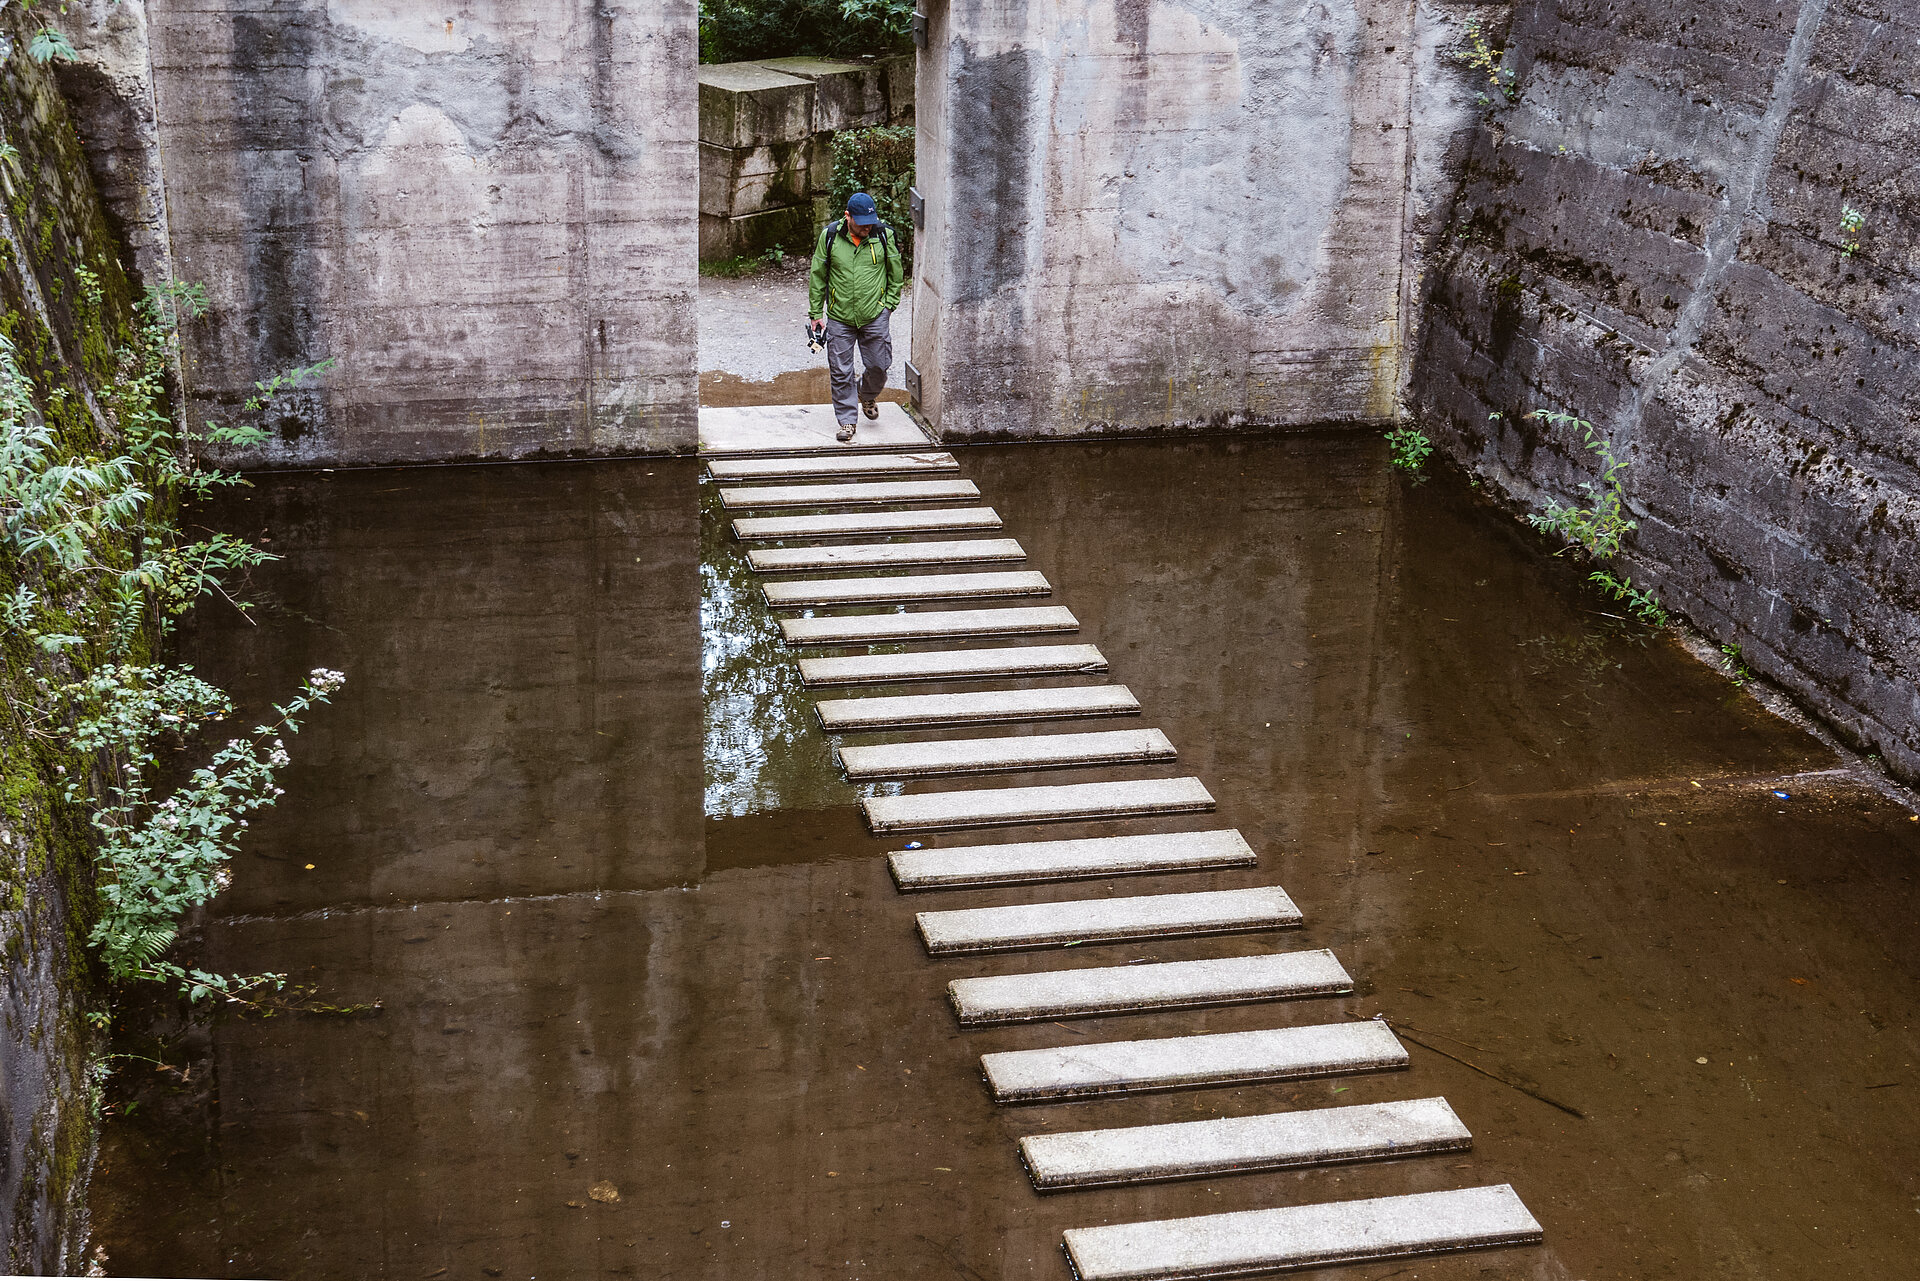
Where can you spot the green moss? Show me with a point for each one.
(61, 248)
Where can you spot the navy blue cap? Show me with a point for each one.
(861, 210)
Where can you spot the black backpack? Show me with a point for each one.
(838, 228)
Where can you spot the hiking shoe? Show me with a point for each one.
(870, 408)
(845, 433)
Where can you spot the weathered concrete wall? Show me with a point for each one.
(766, 142)
(1651, 238)
(1161, 214)
(66, 313)
(486, 218)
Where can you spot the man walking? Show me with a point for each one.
(855, 283)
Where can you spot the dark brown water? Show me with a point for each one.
(1547, 849)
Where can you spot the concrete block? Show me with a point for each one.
(1002, 755)
(886, 629)
(735, 181)
(828, 465)
(899, 71)
(904, 588)
(858, 494)
(953, 664)
(1083, 1070)
(986, 707)
(743, 104)
(978, 551)
(754, 233)
(1302, 1236)
(1233, 1145)
(1128, 989)
(867, 523)
(847, 94)
(761, 430)
(1003, 806)
(977, 865)
(1107, 920)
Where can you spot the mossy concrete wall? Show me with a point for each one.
(1652, 237)
(67, 309)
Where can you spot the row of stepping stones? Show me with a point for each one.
(888, 495)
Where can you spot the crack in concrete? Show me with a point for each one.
(1744, 185)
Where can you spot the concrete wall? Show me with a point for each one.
(485, 216)
(766, 143)
(1651, 237)
(1150, 214)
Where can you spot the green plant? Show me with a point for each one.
(1736, 664)
(1410, 449)
(1596, 531)
(878, 161)
(160, 857)
(1476, 51)
(48, 45)
(88, 545)
(89, 284)
(1644, 605)
(1852, 223)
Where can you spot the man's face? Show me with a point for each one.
(859, 232)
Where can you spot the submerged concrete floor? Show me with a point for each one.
(1543, 847)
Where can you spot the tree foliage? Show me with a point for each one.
(742, 30)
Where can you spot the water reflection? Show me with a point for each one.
(765, 750)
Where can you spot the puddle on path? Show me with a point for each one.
(1549, 849)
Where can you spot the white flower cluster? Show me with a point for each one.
(325, 680)
(278, 757)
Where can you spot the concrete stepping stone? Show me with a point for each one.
(1239, 1144)
(1001, 755)
(903, 588)
(831, 465)
(953, 664)
(977, 551)
(968, 866)
(1085, 1071)
(865, 494)
(1129, 989)
(845, 524)
(1003, 806)
(985, 707)
(1106, 920)
(885, 629)
(1302, 1236)
(785, 429)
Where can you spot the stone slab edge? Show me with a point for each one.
(1303, 1236)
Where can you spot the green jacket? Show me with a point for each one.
(860, 283)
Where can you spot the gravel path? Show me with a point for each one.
(753, 327)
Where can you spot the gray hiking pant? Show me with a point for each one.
(875, 340)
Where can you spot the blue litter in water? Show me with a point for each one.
(914, 845)
(1785, 796)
